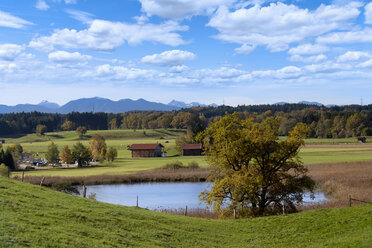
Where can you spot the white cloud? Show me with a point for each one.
(178, 68)
(106, 36)
(364, 35)
(366, 64)
(307, 49)
(10, 21)
(66, 1)
(309, 59)
(122, 72)
(169, 58)
(278, 25)
(287, 72)
(63, 57)
(353, 56)
(42, 5)
(181, 8)
(244, 49)
(10, 51)
(368, 13)
(141, 19)
(180, 80)
(82, 16)
(327, 67)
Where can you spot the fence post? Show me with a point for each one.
(42, 181)
(84, 191)
(349, 200)
(186, 211)
(234, 213)
(23, 175)
(137, 202)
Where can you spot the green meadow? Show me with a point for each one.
(315, 151)
(34, 216)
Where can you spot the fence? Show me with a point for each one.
(353, 199)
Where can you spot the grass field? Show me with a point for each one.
(316, 151)
(33, 216)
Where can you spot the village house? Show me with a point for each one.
(147, 150)
(192, 149)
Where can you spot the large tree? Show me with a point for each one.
(81, 130)
(111, 154)
(98, 147)
(81, 154)
(41, 129)
(52, 154)
(253, 171)
(16, 151)
(68, 125)
(66, 155)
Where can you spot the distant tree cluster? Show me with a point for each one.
(81, 154)
(6, 158)
(324, 122)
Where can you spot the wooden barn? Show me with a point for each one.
(146, 150)
(192, 149)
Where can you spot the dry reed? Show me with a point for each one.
(160, 175)
(340, 181)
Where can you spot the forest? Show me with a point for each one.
(324, 122)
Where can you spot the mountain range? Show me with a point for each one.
(98, 104)
(307, 103)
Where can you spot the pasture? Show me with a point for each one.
(315, 151)
(34, 216)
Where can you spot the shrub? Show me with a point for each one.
(3, 170)
(193, 165)
(174, 165)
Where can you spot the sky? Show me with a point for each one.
(231, 52)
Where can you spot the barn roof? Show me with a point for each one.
(144, 146)
(191, 146)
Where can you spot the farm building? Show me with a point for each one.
(146, 150)
(192, 149)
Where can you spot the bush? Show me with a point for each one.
(193, 165)
(174, 165)
(4, 170)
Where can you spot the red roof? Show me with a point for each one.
(191, 146)
(144, 146)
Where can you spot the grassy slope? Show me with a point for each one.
(39, 217)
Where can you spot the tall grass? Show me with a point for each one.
(341, 180)
(159, 175)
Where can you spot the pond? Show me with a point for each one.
(161, 195)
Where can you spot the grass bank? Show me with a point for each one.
(39, 217)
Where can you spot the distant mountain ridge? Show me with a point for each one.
(189, 105)
(307, 103)
(98, 104)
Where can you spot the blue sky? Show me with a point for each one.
(210, 51)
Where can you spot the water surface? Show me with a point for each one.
(161, 195)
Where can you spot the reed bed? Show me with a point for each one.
(159, 175)
(340, 181)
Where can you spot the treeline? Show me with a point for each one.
(325, 122)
